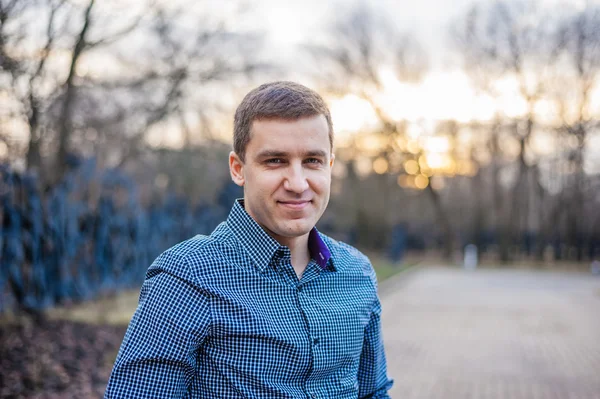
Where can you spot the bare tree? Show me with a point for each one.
(166, 71)
(511, 40)
(179, 75)
(35, 79)
(21, 75)
(579, 38)
(362, 45)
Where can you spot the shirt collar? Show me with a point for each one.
(262, 247)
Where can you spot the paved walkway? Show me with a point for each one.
(491, 334)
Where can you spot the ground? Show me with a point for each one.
(493, 334)
(56, 359)
(449, 333)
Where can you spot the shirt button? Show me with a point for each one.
(316, 341)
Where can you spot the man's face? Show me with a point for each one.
(286, 174)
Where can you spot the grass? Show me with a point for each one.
(386, 268)
(114, 310)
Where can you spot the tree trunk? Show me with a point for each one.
(33, 156)
(442, 217)
(518, 208)
(498, 203)
(577, 214)
(64, 120)
(479, 214)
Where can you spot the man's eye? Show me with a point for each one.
(314, 160)
(274, 160)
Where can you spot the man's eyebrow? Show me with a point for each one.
(276, 153)
(316, 153)
(271, 153)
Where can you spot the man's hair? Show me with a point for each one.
(277, 100)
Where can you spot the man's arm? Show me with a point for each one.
(373, 381)
(157, 357)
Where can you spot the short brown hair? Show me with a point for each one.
(276, 100)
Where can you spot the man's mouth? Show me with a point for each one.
(294, 205)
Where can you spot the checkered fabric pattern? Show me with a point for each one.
(225, 316)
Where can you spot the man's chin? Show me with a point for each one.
(296, 228)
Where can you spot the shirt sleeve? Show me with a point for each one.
(157, 358)
(373, 381)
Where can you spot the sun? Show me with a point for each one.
(441, 95)
(351, 114)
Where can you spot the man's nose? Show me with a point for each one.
(295, 179)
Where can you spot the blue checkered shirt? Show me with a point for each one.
(225, 316)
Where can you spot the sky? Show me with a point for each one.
(294, 21)
(445, 92)
(289, 22)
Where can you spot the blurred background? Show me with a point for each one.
(456, 123)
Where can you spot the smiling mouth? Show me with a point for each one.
(294, 205)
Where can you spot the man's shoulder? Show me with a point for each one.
(349, 260)
(344, 253)
(185, 258)
(186, 248)
(342, 250)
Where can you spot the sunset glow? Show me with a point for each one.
(351, 114)
(422, 107)
(441, 95)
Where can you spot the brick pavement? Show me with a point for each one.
(491, 334)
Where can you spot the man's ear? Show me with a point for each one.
(236, 169)
(331, 160)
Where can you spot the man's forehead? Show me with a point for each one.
(288, 121)
(285, 119)
(315, 127)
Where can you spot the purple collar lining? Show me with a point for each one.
(317, 248)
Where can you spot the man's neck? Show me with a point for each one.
(299, 252)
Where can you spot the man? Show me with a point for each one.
(266, 306)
